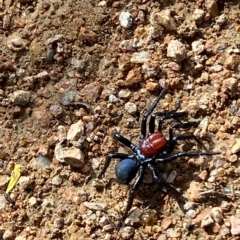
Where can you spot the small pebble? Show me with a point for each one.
(197, 47)
(124, 94)
(55, 110)
(58, 222)
(8, 235)
(20, 97)
(166, 222)
(198, 16)
(216, 68)
(126, 19)
(171, 176)
(235, 225)
(113, 98)
(152, 86)
(76, 131)
(57, 181)
(32, 201)
(191, 213)
(126, 232)
(95, 206)
(173, 233)
(165, 19)
(131, 108)
(176, 51)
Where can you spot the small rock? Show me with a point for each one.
(140, 57)
(235, 225)
(20, 97)
(191, 213)
(233, 158)
(72, 156)
(189, 205)
(57, 181)
(108, 228)
(211, 179)
(103, 221)
(203, 126)
(125, 19)
(42, 161)
(171, 177)
(56, 38)
(224, 231)
(212, 8)
(173, 233)
(194, 191)
(216, 214)
(149, 217)
(134, 217)
(176, 50)
(126, 232)
(4, 178)
(96, 206)
(216, 68)
(127, 45)
(91, 92)
(134, 76)
(236, 147)
(198, 16)
(76, 131)
(113, 98)
(166, 222)
(16, 43)
(197, 47)
(32, 201)
(203, 175)
(130, 108)
(152, 86)
(56, 110)
(174, 66)
(58, 222)
(221, 19)
(165, 19)
(21, 238)
(201, 216)
(230, 85)
(162, 237)
(124, 63)
(124, 94)
(232, 62)
(24, 182)
(68, 97)
(150, 69)
(8, 235)
(207, 221)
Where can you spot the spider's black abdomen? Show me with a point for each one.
(126, 170)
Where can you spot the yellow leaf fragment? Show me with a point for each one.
(14, 178)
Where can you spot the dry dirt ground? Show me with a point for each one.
(72, 72)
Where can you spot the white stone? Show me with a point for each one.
(125, 19)
(76, 131)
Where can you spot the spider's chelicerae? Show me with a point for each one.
(153, 148)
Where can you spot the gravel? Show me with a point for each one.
(113, 63)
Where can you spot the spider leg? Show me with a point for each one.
(184, 154)
(124, 140)
(131, 196)
(148, 112)
(173, 139)
(109, 157)
(167, 188)
(165, 115)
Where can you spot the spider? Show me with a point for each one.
(153, 148)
